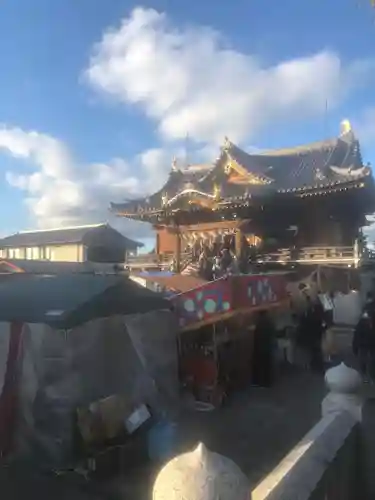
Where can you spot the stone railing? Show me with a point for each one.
(320, 467)
(325, 465)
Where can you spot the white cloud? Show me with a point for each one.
(365, 126)
(61, 191)
(188, 80)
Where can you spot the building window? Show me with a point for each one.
(45, 253)
(84, 253)
(33, 253)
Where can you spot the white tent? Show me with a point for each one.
(48, 369)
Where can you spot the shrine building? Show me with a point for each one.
(314, 196)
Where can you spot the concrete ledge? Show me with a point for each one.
(300, 473)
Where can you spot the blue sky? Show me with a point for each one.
(87, 120)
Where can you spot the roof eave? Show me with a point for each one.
(37, 245)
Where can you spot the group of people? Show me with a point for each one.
(311, 332)
(218, 257)
(364, 340)
(314, 324)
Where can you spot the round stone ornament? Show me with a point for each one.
(201, 475)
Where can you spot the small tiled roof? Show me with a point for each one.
(69, 235)
(52, 267)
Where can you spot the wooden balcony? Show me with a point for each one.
(339, 255)
(153, 261)
(348, 256)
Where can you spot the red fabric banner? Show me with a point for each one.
(8, 397)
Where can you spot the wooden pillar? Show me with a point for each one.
(178, 249)
(157, 246)
(238, 242)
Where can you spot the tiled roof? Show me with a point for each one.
(320, 165)
(61, 236)
(304, 166)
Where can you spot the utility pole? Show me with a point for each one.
(187, 159)
(325, 119)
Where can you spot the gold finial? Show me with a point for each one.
(345, 127)
(174, 167)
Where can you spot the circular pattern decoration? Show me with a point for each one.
(189, 305)
(204, 303)
(210, 306)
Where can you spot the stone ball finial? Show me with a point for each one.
(344, 384)
(342, 379)
(201, 475)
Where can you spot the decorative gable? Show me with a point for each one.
(237, 174)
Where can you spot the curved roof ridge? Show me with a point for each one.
(303, 148)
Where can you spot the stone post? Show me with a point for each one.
(344, 386)
(201, 475)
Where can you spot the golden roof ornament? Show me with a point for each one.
(164, 199)
(345, 127)
(226, 144)
(217, 191)
(174, 166)
(228, 167)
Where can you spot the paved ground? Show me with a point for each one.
(256, 428)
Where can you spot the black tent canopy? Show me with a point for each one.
(67, 300)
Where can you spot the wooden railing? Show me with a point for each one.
(154, 260)
(345, 255)
(339, 255)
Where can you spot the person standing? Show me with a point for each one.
(369, 306)
(364, 346)
(263, 350)
(312, 329)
